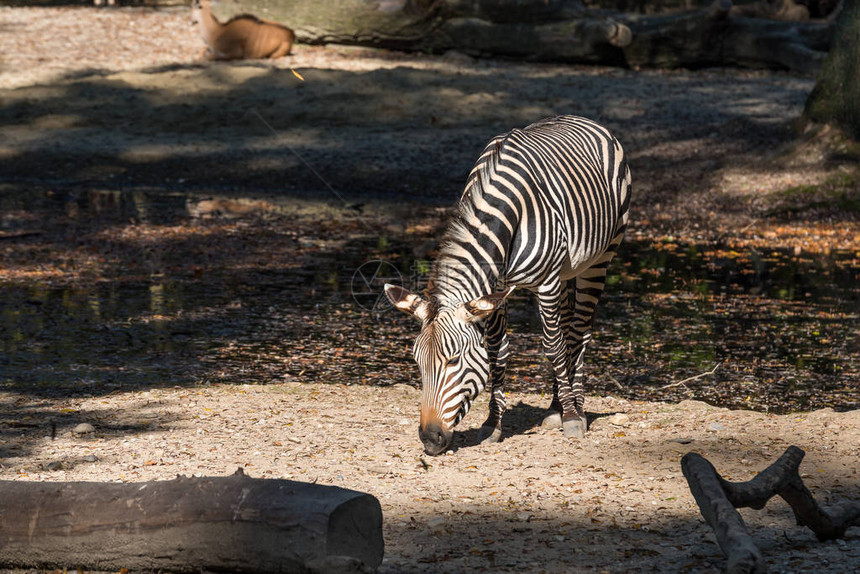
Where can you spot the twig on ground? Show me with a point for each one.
(616, 383)
(678, 384)
(688, 379)
(748, 226)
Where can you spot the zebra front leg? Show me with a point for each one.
(552, 419)
(556, 350)
(497, 352)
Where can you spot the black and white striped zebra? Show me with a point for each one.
(545, 208)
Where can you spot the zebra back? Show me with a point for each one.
(560, 182)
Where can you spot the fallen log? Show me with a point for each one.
(717, 499)
(786, 10)
(589, 39)
(559, 31)
(715, 36)
(234, 523)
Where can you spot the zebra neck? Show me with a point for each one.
(463, 273)
(474, 253)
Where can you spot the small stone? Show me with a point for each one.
(716, 427)
(84, 428)
(438, 525)
(91, 458)
(619, 420)
(552, 420)
(55, 465)
(681, 440)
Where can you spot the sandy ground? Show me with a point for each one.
(103, 102)
(613, 502)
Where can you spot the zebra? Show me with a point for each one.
(545, 208)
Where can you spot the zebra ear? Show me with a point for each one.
(406, 301)
(483, 306)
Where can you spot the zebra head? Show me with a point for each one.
(451, 357)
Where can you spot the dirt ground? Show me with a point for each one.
(613, 502)
(119, 98)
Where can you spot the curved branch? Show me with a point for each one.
(732, 534)
(717, 499)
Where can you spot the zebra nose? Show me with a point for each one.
(436, 439)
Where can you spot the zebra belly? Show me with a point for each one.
(578, 262)
(573, 266)
(583, 254)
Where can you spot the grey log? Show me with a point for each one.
(234, 523)
(556, 30)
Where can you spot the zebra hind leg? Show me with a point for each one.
(497, 351)
(573, 420)
(589, 287)
(553, 414)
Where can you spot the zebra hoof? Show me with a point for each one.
(574, 428)
(552, 420)
(489, 435)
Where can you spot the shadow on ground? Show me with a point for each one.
(402, 133)
(106, 291)
(483, 540)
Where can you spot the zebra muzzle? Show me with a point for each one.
(435, 437)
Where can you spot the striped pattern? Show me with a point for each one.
(545, 208)
(453, 365)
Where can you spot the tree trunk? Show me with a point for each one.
(553, 30)
(231, 523)
(836, 96)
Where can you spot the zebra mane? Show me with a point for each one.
(463, 222)
(460, 227)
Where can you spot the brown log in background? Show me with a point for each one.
(234, 523)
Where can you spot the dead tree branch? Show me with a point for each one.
(732, 534)
(717, 499)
